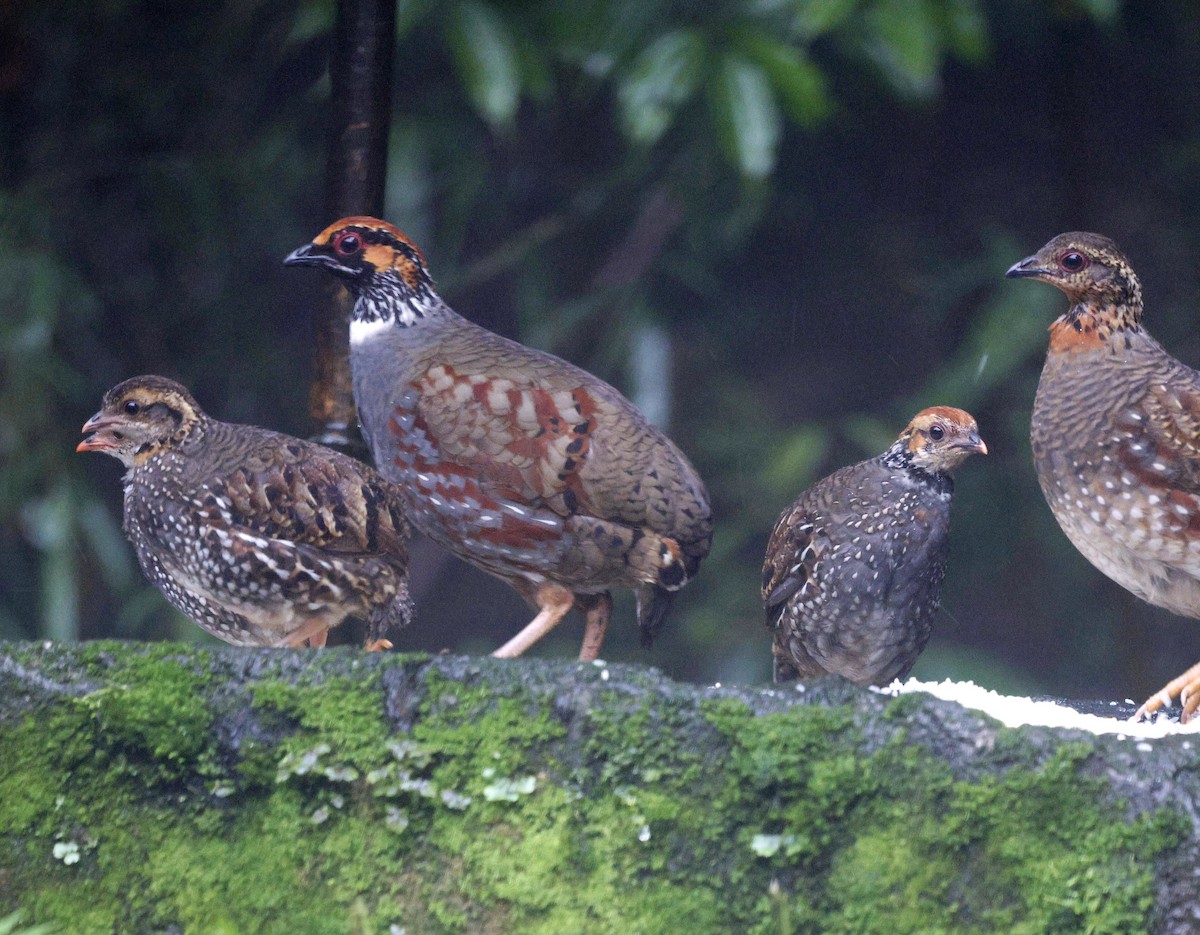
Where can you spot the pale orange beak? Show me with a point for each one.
(97, 441)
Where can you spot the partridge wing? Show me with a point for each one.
(1157, 445)
(298, 492)
(792, 561)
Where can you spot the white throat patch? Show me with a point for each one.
(362, 332)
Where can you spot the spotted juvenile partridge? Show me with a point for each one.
(854, 567)
(1116, 436)
(262, 539)
(518, 462)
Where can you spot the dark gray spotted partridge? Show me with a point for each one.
(518, 462)
(261, 538)
(854, 567)
(1116, 436)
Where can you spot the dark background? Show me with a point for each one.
(809, 206)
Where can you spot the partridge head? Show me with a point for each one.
(854, 567)
(1116, 436)
(514, 460)
(260, 538)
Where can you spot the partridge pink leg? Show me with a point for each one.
(313, 632)
(1185, 687)
(553, 602)
(598, 615)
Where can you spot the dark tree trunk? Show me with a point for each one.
(361, 76)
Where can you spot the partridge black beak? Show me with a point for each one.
(304, 256)
(311, 255)
(96, 424)
(1025, 269)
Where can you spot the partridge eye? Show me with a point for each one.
(937, 433)
(1073, 262)
(347, 243)
(132, 408)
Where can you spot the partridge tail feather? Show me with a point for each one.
(653, 602)
(394, 616)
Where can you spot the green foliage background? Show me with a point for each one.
(779, 225)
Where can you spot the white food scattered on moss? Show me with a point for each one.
(1014, 711)
(67, 852)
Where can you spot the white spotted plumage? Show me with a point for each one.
(260, 538)
(854, 567)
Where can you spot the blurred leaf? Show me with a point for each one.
(312, 19)
(103, 533)
(903, 41)
(537, 78)
(966, 29)
(1103, 10)
(792, 465)
(485, 54)
(873, 433)
(1004, 334)
(48, 524)
(662, 78)
(746, 116)
(408, 193)
(650, 374)
(817, 17)
(798, 83)
(408, 14)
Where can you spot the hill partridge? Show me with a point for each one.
(1116, 436)
(262, 539)
(854, 567)
(518, 462)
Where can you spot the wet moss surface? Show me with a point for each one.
(160, 788)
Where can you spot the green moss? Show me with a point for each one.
(153, 711)
(892, 843)
(475, 730)
(343, 714)
(293, 804)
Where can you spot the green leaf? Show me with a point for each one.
(49, 524)
(662, 77)
(966, 29)
(485, 54)
(903, 39)
(746, 115)
(817, 17)
(537, 78)
(1104, 11)
(103, 534)
(312, 19)
(798, 83)
(408, 14)
(792, 462)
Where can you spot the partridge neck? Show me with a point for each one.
(389, 304)
(901, 458)
(1089, 326)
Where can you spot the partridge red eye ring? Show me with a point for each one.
(347, 243)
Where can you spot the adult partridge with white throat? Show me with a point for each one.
(854, 567)
(261, 538)
(522, 464)
(1116, 436)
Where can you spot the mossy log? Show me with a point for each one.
(169, 789)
